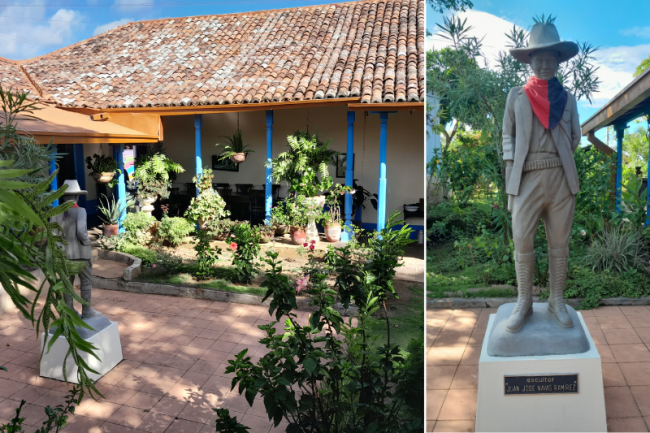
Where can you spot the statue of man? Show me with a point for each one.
(75, 233)
(541, 131)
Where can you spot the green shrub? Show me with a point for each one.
(174, 229)
(148, 257)
(583, 282)
(451, 220)
(137, 221)
(616, 250)
(246, 249)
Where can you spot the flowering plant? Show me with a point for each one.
(280, 215)
(334, 199)
(297, 212)
(208, 205)
(246, 249)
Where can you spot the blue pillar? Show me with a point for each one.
(118, 155)
(381, 200)
(620, 133)
(346, 234)
(54, 185)
(268, 204)
(80, 171)
(198, 123)
(647, 200)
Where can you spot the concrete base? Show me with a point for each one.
(582, 411)
(107, 341)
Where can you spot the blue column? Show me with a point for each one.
(381, 200)
(268, 204)
(54, 185)
(80, 171)
(118, 155)
(198, 123)
(647, 201)
(346, 234)
(620, 133)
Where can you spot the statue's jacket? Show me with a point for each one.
(517, 135)
(75, 233)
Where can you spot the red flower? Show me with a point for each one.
(311, 247)
(305, 244)
(233, 246)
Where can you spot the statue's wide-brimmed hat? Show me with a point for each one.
(545, 36)
(73, 188)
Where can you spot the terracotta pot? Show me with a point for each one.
(110, 229)
(238, 157)
(333, 232)
(103, 177)
(282, 230)
(148, 204)
(299, 237)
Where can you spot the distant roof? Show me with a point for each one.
(13, 77)
(631, 102)
(370, 49)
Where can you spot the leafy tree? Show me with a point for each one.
(457, 5)
(645, 64)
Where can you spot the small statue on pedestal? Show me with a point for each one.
(75, 233)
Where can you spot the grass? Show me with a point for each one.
(407, 321)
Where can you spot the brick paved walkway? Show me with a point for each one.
(454, 339)
(175, 353)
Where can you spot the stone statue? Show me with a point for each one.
(541, 131)
(73, 223)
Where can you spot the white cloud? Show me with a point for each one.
(108, 26)
(642, 32)
(24, 36)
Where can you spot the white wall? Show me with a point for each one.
(405, 154)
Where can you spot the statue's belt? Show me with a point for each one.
(542, 164)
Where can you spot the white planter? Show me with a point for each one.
(147, 204)
(312, 231)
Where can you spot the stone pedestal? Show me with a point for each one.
(558, 392)
(106, 338)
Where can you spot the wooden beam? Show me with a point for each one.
(392, 106)
(599, 144)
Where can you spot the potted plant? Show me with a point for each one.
(208, 205)
(219, 229)
(304, 167)
(280, 219)
(109, 215)
(266, 233)
(151, 179)
(236, 151)
(103, 168)
(332, 216)
(297, 218)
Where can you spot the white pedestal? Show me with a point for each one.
(107, 341)
(569, 412)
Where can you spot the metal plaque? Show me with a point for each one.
(544, 384)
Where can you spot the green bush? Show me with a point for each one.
(137, 221)
(451, 220)
(583, 282)
(616, 250)
(246, 249)
(148, 257)
(174, 229)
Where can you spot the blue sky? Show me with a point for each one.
(30, 28)
(621, 30)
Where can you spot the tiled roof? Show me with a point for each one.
(12, 77)
(370, 49)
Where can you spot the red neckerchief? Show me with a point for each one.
(548, 99)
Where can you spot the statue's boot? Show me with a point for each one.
(558, 266)
(524, 265)
(88, 311)
(69, 302)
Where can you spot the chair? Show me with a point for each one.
(191, 189)
(243, 188)
(257, 206)
(220, 185)
(240, 208)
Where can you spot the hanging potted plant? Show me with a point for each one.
(109, 215)
(103, 169)
(236, 151)
(332, 216)
(152, 178)
(208, 205)
(304, 167)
